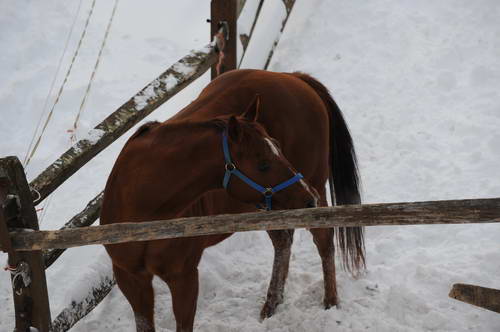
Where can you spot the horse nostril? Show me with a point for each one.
(311, 204)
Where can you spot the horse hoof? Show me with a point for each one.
(267, 311)
(330, 303)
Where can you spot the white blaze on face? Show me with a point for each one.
(303, 183)
(276, 151)
(308, 189)
(273, 147)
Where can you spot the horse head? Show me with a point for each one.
(256, 171)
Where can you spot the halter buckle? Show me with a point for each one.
(268, 192)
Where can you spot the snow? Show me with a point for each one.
(94, 135)
(183, 69)
(141, 100)
(418, 84)
(245, 22)
(264, 35)
(93, 275)
(170, 81)
(247, 16)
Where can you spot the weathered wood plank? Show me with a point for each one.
(83, 219)
(31, 302)
(417, 213)
(173, 80)
(487, 298)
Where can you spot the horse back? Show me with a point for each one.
(290, 111)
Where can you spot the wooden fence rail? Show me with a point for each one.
(85, 218)
(416, 213)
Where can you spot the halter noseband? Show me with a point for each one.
(267, 192)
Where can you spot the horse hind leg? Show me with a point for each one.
(138, 289)
(323, 239)
(282, 242)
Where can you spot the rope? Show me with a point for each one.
(45, 208)
(35, 147)
(92, 76)
(53, 83)
(220, 43)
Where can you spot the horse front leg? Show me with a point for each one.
(323, 239)
(282, 242)
(138, 289)
(184, 289)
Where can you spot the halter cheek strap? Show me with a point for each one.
(267, 192)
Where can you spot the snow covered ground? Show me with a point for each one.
(418, 82)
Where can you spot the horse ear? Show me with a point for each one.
(234, 129)
(252, 111)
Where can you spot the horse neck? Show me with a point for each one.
(189, 163)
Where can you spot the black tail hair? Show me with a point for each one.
(345, 177)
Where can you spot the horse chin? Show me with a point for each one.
(291, 202)
(285, 206)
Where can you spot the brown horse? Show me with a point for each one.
(299, 113)
(165, 167)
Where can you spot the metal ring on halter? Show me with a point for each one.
(230, 167)
(268, 192)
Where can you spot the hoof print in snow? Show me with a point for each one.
(373, 289)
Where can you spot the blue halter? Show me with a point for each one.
(267, 192)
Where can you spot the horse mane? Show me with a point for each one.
(219, 124)
(145, 128)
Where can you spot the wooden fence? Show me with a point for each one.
(18, 198)
(32, 251)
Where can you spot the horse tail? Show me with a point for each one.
(345, 177)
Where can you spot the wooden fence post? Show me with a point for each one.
(487, 298)
(220, 11)
(31, 302)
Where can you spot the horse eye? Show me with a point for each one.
(264, 166)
